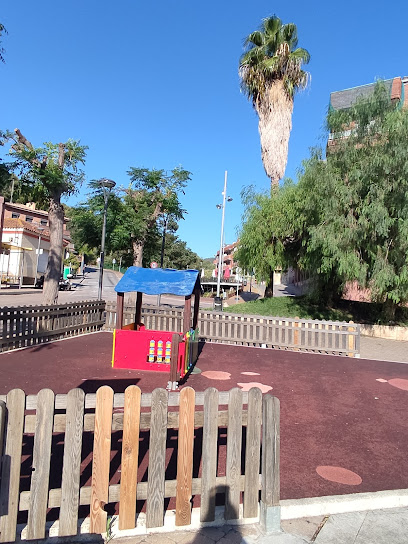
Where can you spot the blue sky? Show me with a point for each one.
(155, 84)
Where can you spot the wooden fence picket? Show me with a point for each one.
(185, 456)
(37, 511)
(157, 456)
(252, 453)
(209, 455)
(130, 455)
(234, 444)
(71, 471)
(270, 494)
(101, 459)
(11, 464)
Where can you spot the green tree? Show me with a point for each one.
(52, 171)
(271, 72)
(177, 255)
(87, 218)
(270, 236)
(356, 202)
(151, 194)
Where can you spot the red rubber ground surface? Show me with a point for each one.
(334, 412)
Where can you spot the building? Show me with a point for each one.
(25, 243)
(396, 87)
(229, 266)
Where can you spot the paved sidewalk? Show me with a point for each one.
(387, 526)
(381, 349)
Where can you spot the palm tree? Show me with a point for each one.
(271, 72)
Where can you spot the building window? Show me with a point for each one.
(29, 219)
(15, 215)
(44, 221)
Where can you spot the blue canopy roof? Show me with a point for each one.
(157, 281)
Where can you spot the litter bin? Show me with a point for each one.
(67, 270)
(218, 304)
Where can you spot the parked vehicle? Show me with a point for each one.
(64, 285)
(39, 284)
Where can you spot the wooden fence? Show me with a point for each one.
(77, 453)
(30, 325)
(334, 337)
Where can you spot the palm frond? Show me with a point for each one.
(271, 25)
(302, 54)
(289, 35)
(255, 38)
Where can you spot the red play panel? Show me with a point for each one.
(142, 350)
(343, 421)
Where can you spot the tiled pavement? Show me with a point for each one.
(387, 526)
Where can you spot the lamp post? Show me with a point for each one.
(107, 185)
(218, 299)
(38, 253)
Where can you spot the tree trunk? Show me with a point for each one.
(275, 123)
(54, 265)
(269, 286)
(138, 252)
(389, 309)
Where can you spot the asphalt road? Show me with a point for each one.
(86, 288)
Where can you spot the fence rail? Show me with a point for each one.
(334, 337)
(30, 325)
(98, 449)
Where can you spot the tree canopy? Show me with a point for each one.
(348, 214)
(50, 172)
(270, 235)
(136, 218)
(151, 194)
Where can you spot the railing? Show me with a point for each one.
(167, 445)
(29, 325)
(333, 337)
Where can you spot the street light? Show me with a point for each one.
(107, 185)
(218, 300)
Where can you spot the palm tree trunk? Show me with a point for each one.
(275, 123)
(54, 266)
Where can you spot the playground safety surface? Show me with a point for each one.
(343, 421)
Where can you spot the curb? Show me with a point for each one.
(340, 504)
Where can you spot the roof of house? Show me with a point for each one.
(158, 281)
(28, 209)
(345, 99)
(17, 223)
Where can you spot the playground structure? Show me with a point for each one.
(137, 348)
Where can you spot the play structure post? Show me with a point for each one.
(138, 313)
(119, 310)
(175, 341)
(197, 294)
(187, 314)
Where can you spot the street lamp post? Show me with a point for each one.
(107, 185)
(218, 299)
